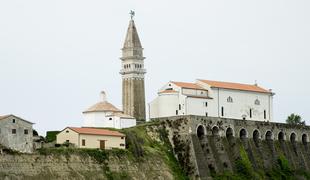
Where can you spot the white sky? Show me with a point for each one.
(56, 56)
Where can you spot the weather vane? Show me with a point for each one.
(132, 14)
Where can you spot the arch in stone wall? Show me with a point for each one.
(215, 131)
(268, 135)
(243, 133)
(281, 136)
(304, 139)
(200, 131)
(256, 135)
(293, 137)
(229, 132)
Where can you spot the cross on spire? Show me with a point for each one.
(132, 14)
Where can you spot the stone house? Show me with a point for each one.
(91, 138)
(16, 133)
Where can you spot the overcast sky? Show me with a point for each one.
(56, 56)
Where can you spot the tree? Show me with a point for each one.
(295, 119)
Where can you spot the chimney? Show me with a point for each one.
(103, 96)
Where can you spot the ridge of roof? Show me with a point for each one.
(168, 91)
(102, 106)
(96, 131)
(235, 86)
(6, 116)
(188, 85)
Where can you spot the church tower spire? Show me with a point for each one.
(132, 72)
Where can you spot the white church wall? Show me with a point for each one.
(98, 119)
(165, 105)
(243, 101)
(126, 123)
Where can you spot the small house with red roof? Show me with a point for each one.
(214, 99)
(91, 138)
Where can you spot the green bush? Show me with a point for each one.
(51, 136)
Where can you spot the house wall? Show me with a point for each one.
(126, 123)
(68, 134)
(20, 141)
(93, 141)
(106, 120)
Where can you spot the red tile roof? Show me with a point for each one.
(102, 107)
(188, 85)
(95, 131)
(236, 86)
(168, 91)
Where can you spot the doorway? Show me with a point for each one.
(102, 144)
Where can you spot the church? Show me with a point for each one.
(214, 99)
(201, 98)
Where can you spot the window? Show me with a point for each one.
(222, 111)
(257, 102)
(176, 112)
(206, 114)
(26, 131)
(83, 142)
(67, 131)
(67, 141)
(110, 119)
(206, 104)
(180, 107)
(250, 113)
(264, 114)
(13, 120)
(13, 131)
(122, 137)
(122, 145)
(230, 99)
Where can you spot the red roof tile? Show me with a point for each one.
(236, 86)
(188, 85)
(95, 131)
(102, 107)
(168, 91)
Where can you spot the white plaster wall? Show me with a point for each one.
(165, 105)
(102, 119)
(243, 101)
(196, 106)
(126, 123)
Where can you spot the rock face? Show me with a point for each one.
(75, 166)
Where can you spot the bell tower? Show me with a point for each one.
(133, 93)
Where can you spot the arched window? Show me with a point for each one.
(222, 111)
(230, 99)
(257, 102)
